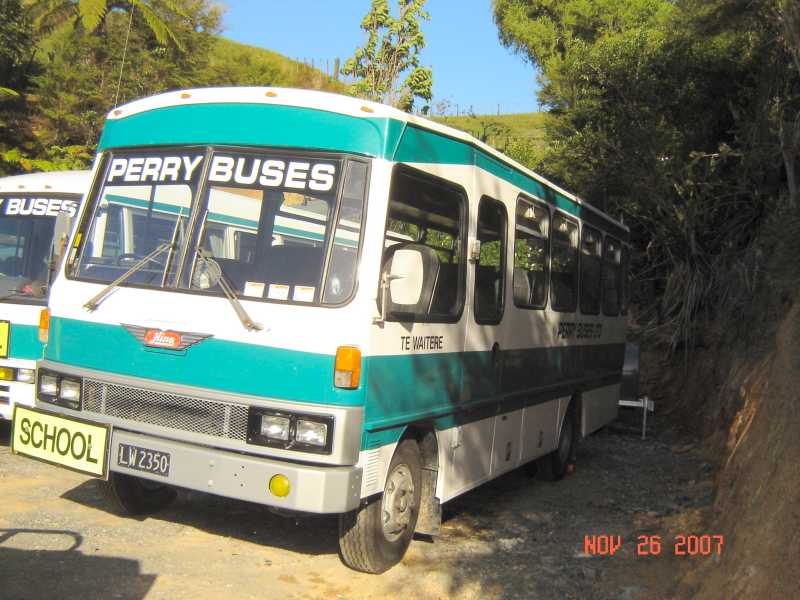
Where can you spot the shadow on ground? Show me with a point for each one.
(50, 556)
(245, 521)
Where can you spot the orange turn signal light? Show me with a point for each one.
(44, 325)
(347, 372)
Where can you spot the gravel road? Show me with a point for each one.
(515, 537)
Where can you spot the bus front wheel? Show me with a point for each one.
(553, 466)
(375, 536)
(135, 496)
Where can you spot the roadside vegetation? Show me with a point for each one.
(683, 117)
(65, 63)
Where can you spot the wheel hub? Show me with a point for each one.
(398, 502)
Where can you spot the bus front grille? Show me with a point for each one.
(207, 417)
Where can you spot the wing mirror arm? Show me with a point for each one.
(386, 280)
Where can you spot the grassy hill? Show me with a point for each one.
(240, 64)
(501, 130)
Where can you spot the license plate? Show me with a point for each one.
(65, 441)
(5, 330)
(143, 459)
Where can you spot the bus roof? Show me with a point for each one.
(382, 139)
(51, 182)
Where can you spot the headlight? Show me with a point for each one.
(312, 433)
(290, 431)
(61, 390)
(26, 375)
(6, 373)
(275, 427)
(48, 385)
(70, 390)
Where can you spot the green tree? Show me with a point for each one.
(92, 14)
(17, 67)
(681, 115)
(390, 53)
(84, 75)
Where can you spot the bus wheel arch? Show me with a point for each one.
(375, 536)
(555, 465)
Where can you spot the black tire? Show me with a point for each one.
(130, 495)
(553, 466)
(363, 542)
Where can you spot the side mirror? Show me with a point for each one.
(405, 277)
(403, 281)
(61, 230)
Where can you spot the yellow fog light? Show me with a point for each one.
(6, 373)
(279, 486)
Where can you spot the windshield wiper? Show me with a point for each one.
(94, 302)
(227, 289)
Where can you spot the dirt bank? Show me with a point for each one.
(758, 486)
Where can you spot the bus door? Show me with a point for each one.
(490, 340)
(418, 341)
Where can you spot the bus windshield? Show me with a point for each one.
(271, 222)
(26, 236)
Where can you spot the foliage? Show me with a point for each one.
(65, 81)
(682, 116)
(91, 15)
(391, 52)
(17, 67)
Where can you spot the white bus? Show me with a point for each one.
(323, 305)
(29, 206)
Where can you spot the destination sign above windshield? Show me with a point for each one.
(249, 170)
(36, 207)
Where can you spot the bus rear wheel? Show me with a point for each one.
(130, 495)
(374, 537)
(553, 466)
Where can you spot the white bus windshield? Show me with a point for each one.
(26, 237)
(272, 222)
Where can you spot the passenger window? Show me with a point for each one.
(531, 268)
(564, 266)
(625, 278)
(490, 268)
(591, 267)
(428, 215)
(612, 276)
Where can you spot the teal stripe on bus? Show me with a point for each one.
(254, 124)
(24, 342)
(294, 127)
(213, 364)
(442, 388)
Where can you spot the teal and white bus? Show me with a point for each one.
(323, 305)
(29, 208)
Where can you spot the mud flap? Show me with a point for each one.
(429, 521)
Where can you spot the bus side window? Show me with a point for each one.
(591, 267)
(427, 211)
(490, 268)
(531, 265)
(564, 266)
(612, 277)
(625, 280)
